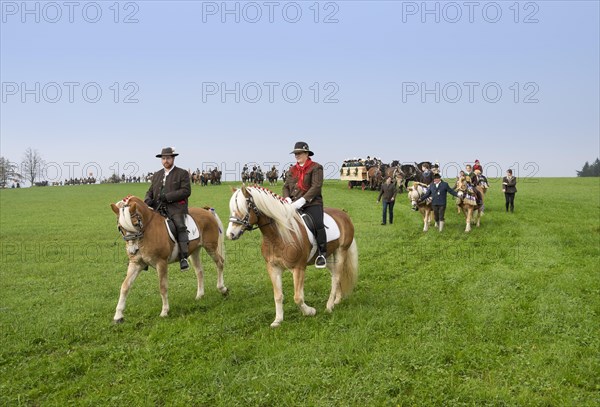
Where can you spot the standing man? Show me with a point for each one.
(302, 189)
(509, 187)
(438, 191)
(388, 191)
(168, 194)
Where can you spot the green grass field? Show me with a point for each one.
(506, 315)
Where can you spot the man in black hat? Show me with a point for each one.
(438, 191)
(168, 194)
(302, 188)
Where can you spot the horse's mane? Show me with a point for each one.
(272, 205)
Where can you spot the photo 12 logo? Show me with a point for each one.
(471, 92)
(69, 12)
(270, 12)
(453, 12)
(69, 92)
(269, 92)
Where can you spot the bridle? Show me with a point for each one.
(127, 235)
(245, 221)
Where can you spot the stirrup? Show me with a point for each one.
(184, 265)
(320, 262)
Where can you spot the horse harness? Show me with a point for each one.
(245, 222)
(131, 235)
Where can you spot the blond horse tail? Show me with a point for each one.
(349, 271)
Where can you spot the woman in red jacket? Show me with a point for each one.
(302, 189)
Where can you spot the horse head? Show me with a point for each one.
(243, 213)
(130, 220)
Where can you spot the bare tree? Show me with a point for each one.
(32, 165)
(8, 172)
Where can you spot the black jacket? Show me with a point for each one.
(438, 194)
(510, 187)
(177, 190)
(388, 191)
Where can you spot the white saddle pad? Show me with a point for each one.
(331, 229)
(193, 231)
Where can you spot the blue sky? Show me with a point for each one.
(369, 74)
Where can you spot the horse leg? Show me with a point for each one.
(299, 292)
(163, 283)
(479, 213)
(335, 267)
(219, 262)
(132, 272)
(275, 275)
(469, 215)
(197, 263)
(426, 221)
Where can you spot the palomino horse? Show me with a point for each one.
(148, 244)
(286, 245)
(415, 191)
(467, 202)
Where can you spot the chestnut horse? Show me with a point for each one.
(467, 202)
(286, 245)
(415, 191)
(148, 244)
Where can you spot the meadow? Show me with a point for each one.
(507, 315)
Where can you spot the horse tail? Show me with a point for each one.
(349, 272)
(220, 241)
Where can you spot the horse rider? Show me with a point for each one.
(477, 166)
(168, 194)
(424, 176)
(469, 172)
(303, 190)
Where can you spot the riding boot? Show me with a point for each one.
(183, 254)
(321, 261)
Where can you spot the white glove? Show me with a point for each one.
(288, 200)
(299, 203)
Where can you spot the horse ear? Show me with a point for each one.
(132, 207)
(233, 189)
(245, 191)
(114, 208)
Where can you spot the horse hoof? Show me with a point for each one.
(118, 321)
(225, 292)
(275, 324)
(310, 311)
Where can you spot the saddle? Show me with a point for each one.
(332, 231)
(190, 224)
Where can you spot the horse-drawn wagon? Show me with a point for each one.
(356, 175)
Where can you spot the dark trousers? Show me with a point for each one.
(316, 213)
(510, 201)
(182, 234)
(438, 212)
(388, 207)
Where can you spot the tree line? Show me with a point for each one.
(588, 170)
